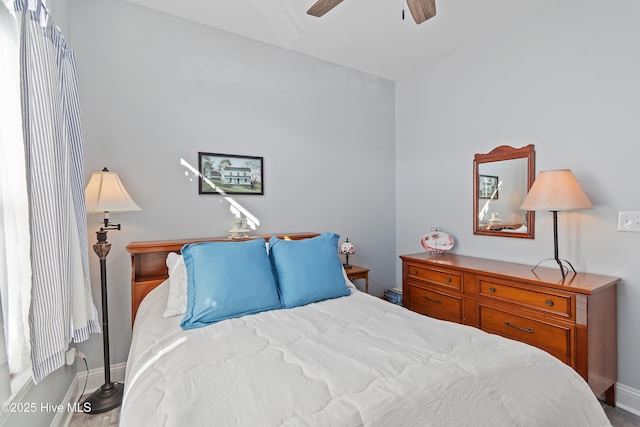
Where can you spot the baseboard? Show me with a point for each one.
(628, 398)
(94, 379)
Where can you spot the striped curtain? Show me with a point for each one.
(62, 310)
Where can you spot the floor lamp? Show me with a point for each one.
(104, 194)
(556, 190)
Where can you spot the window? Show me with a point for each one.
(14, 226)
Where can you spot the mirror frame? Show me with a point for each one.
(505, 152)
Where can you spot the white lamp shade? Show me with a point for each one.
(105, 193)
(556, 190)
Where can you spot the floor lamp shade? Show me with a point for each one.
(556, 190)
(105, 193)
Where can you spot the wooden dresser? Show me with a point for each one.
(573, 319)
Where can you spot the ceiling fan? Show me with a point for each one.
(421, 10)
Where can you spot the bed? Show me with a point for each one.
(349, 360)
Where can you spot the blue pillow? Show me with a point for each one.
(226, 280)
(307, 270)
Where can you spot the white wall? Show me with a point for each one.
(155, 89)
(565, 80)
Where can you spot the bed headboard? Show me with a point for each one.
(148, 261)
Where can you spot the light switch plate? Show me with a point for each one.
(629, 221)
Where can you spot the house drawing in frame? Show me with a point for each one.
(230, 174)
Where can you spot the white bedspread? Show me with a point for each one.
(352, 361)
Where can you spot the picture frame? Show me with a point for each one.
(488, 187)
(230, 174)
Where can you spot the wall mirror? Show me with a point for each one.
(501, 180)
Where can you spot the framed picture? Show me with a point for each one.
(487, 187)
(230, 174)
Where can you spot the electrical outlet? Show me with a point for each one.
(629, 221)
(70, 356)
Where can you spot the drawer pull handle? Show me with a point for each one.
(415, 272)
(437, 301)
(549, 303)
(492, 289)
(527, 330)
(448, 279)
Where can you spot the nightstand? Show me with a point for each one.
(355, 273)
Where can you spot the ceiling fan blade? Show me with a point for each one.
(421, 10)
(321, 7)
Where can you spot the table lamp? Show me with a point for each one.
(346, 249)
(556, 190)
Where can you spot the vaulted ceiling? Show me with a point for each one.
(367, 35)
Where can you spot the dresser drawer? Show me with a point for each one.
(550, 302)
(553, 338)
(438, 276)
(435, 304)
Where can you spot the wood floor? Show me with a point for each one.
(105, 419)
(617, 417)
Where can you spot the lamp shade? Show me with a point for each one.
(105, 193)
(347, 248)
(556, 190)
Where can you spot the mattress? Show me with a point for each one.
(350, 361)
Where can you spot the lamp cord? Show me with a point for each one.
(86, 378)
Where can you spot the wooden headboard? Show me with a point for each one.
(148, 261)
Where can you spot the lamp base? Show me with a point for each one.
(106, 398)
(347, 266)
(563, 269)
